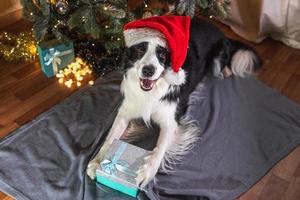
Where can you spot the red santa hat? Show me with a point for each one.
(173, 29)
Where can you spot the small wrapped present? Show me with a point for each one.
(55, 55)
(119, 167)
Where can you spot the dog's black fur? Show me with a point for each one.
(206, 43)
(164, 99)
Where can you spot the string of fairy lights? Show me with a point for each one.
(75, 73)
(18, 47)
(22, 47)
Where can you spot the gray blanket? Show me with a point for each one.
(246, 128)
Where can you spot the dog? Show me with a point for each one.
(154, 92)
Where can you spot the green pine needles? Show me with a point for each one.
(103, 20)
(98, 19)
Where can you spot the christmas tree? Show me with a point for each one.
(95, 26)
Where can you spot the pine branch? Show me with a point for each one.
(202, 3)
(84, 20)
(40, 28)
(190, 9)
(45, 8)
(218, 8)
(181, 7)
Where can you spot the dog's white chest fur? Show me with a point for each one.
(138, 103)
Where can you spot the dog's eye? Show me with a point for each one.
(141, 48)
(162, 56)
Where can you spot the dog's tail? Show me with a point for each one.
(243, 59)
(185, 138)
(233, 57)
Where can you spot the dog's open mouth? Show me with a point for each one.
(147, 84)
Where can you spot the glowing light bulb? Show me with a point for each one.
(74, 73)
(32, 49)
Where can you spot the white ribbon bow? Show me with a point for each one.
(53, 57)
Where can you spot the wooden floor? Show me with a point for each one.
(25, 93)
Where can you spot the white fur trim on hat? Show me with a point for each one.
(175, 78)
(138, 35)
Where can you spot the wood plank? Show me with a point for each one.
(8, 128)
(272, 46)
(296, 94)
(8, 104)
(274, 189)
(29, 88)
(282, 75)
(26, 70)
(29, 103)
(7, 80)
(295, 57)
(256, 190)
(8, 198)
(7, 68)
(290, 88)
(3, 196)
(260, 49)
(283, 53)
(297, 171)
(22, 25)
(293, 191)
(270, 71)
(9, 89)
(259, 186)
(249, 195)
(286, 168)
(42, 107)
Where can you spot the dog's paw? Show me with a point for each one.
(91, 169)
(147, 171)
(93, 164)
(226, 72)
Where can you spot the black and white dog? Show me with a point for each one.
(154, 92)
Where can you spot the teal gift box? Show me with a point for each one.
(55, 55)
(119, 167)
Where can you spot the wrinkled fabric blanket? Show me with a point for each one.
(246, 128)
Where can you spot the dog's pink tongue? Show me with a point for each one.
(147, 83)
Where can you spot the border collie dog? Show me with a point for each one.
(154, 92)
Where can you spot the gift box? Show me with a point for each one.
(119, 167)
(55, 55)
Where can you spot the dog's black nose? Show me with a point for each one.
(148, 70)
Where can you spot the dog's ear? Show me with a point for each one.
(175, 78)
(128, 57)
